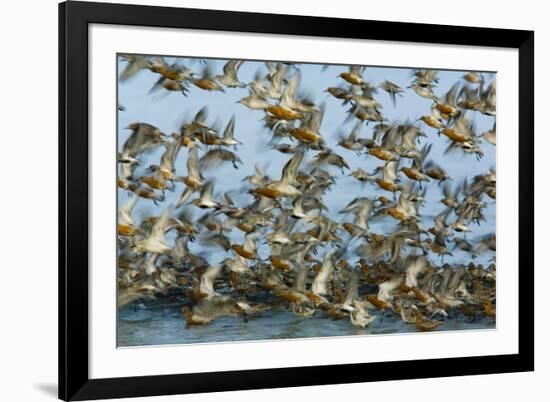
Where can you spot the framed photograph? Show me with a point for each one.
(258, 201)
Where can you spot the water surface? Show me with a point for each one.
(160, 322)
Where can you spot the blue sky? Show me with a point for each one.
(168, 110)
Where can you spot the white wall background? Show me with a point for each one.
(28, 199)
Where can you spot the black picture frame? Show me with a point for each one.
(74, 18)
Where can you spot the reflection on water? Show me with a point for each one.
(161, 323)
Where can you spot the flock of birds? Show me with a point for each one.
(286, 250)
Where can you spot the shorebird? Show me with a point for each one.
(389, 178)
(257, 86)
(134, 64)
(491, 135)
(277, 73)
(463, 245)
(340, 93)
(207, 310)
(354, 75)
(424, 324)
(385, 151)
(127, 224)
(472, 77)
(173, 72)
(156, 242)
(328, 157)
(205, 199)
(194, 180)
(319, 285)
(487, 99)
(434, 119)
(217, 156)
(228, 134)
(446, 105)
(127, 166)
(207, 81)
(147, 193)
(450, 199)
(300, 304)
(308, 132)
(360, 316)
(392, 89)
(248, 248)
(424, 82)
(363, 176)
(436, 172)
(254, 102)
(461, 132)
(156, 180)
(286, 187)
(229, 77)
(144, 137)
(416, 171)
(170, 85)
(167, 166)
(361, 207)
(352, 142)
(207, 281)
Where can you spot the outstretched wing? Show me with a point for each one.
(291, 168)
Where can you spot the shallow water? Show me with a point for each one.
(161, 323)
